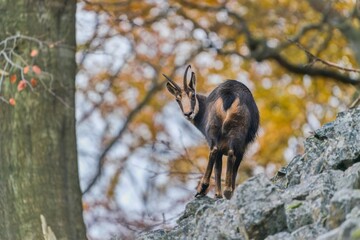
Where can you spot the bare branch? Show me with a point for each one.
(330, 64)
(343, 23)
(260, 51)
(305, 29)
(313, 71)
(15, 60)
(157, 86)
(129, 118)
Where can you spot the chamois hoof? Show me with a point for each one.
(202, 191)
(228, 193)
(218, 196)
(199, 195)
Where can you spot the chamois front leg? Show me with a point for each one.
(205, 181)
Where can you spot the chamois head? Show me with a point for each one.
(186, 96)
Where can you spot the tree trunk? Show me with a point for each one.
(38, 157)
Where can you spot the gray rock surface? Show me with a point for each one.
(317, 196)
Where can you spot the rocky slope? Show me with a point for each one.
(317, 196)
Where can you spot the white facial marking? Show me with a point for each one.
(196, 109)
(186, 103)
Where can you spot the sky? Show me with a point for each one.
(89, 132)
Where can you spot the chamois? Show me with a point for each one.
(229, 120)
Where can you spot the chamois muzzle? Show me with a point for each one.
(189, 114)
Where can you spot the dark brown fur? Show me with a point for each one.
(229, 119)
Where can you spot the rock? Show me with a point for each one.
(316, 196)
(308, 232)
(298, 214)
(262, 213)
(281, 236)
(341, 204)
(192, 207)
(348, 230)
(154, 235)
(334, 146)
(220, 222)
(351, 178)
(238, 219)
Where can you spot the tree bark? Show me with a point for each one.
(38, 156)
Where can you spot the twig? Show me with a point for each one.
(330, 64)
(7, 50)
(130, 117)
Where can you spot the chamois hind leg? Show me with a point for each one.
(239, 157)
(229, 174)
(218, 169)
(205, 181)
(235, 154)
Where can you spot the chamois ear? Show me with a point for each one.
(192, 83)
(171, 89)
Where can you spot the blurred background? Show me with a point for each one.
(140, 160)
